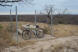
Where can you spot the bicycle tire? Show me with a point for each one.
(26, 35)
(40, 34)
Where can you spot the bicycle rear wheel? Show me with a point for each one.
(26, 35)
(40, 33)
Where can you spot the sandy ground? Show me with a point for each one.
(20, 39)
(66, 44)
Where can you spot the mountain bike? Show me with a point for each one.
(28, 32)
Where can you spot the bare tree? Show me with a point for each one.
(63, 11)
(49, 9)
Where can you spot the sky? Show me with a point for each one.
(39, 5)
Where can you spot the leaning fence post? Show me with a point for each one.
(16, 25)
(11, 19)
(35, 18)
(51, 21)
(35, 22)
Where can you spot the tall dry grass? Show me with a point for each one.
(5, 38)
(6, 35)
(60, 30)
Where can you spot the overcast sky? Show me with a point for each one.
(39, 5)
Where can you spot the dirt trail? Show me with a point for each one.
(20, 39)
(67, 44)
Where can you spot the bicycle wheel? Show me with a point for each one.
(26, 35)
(40, 33)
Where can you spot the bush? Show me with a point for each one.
(11, 28)
(60, 22)
(5, 37)
(1, 27)
(46, 30)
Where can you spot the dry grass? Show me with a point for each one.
(5, 35)
(5, 38)
(60, 30)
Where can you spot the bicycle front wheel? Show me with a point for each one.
(26, 35)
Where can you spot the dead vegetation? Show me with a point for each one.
(65, 44)
(5, 37)
(59, 30)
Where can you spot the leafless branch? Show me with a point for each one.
(48, 10)
(5, 2)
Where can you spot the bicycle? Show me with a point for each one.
(27, 32)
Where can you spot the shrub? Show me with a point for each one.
(1, 27)
(60, 22)
(5, 38)
(46, 30)
(11, 28)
